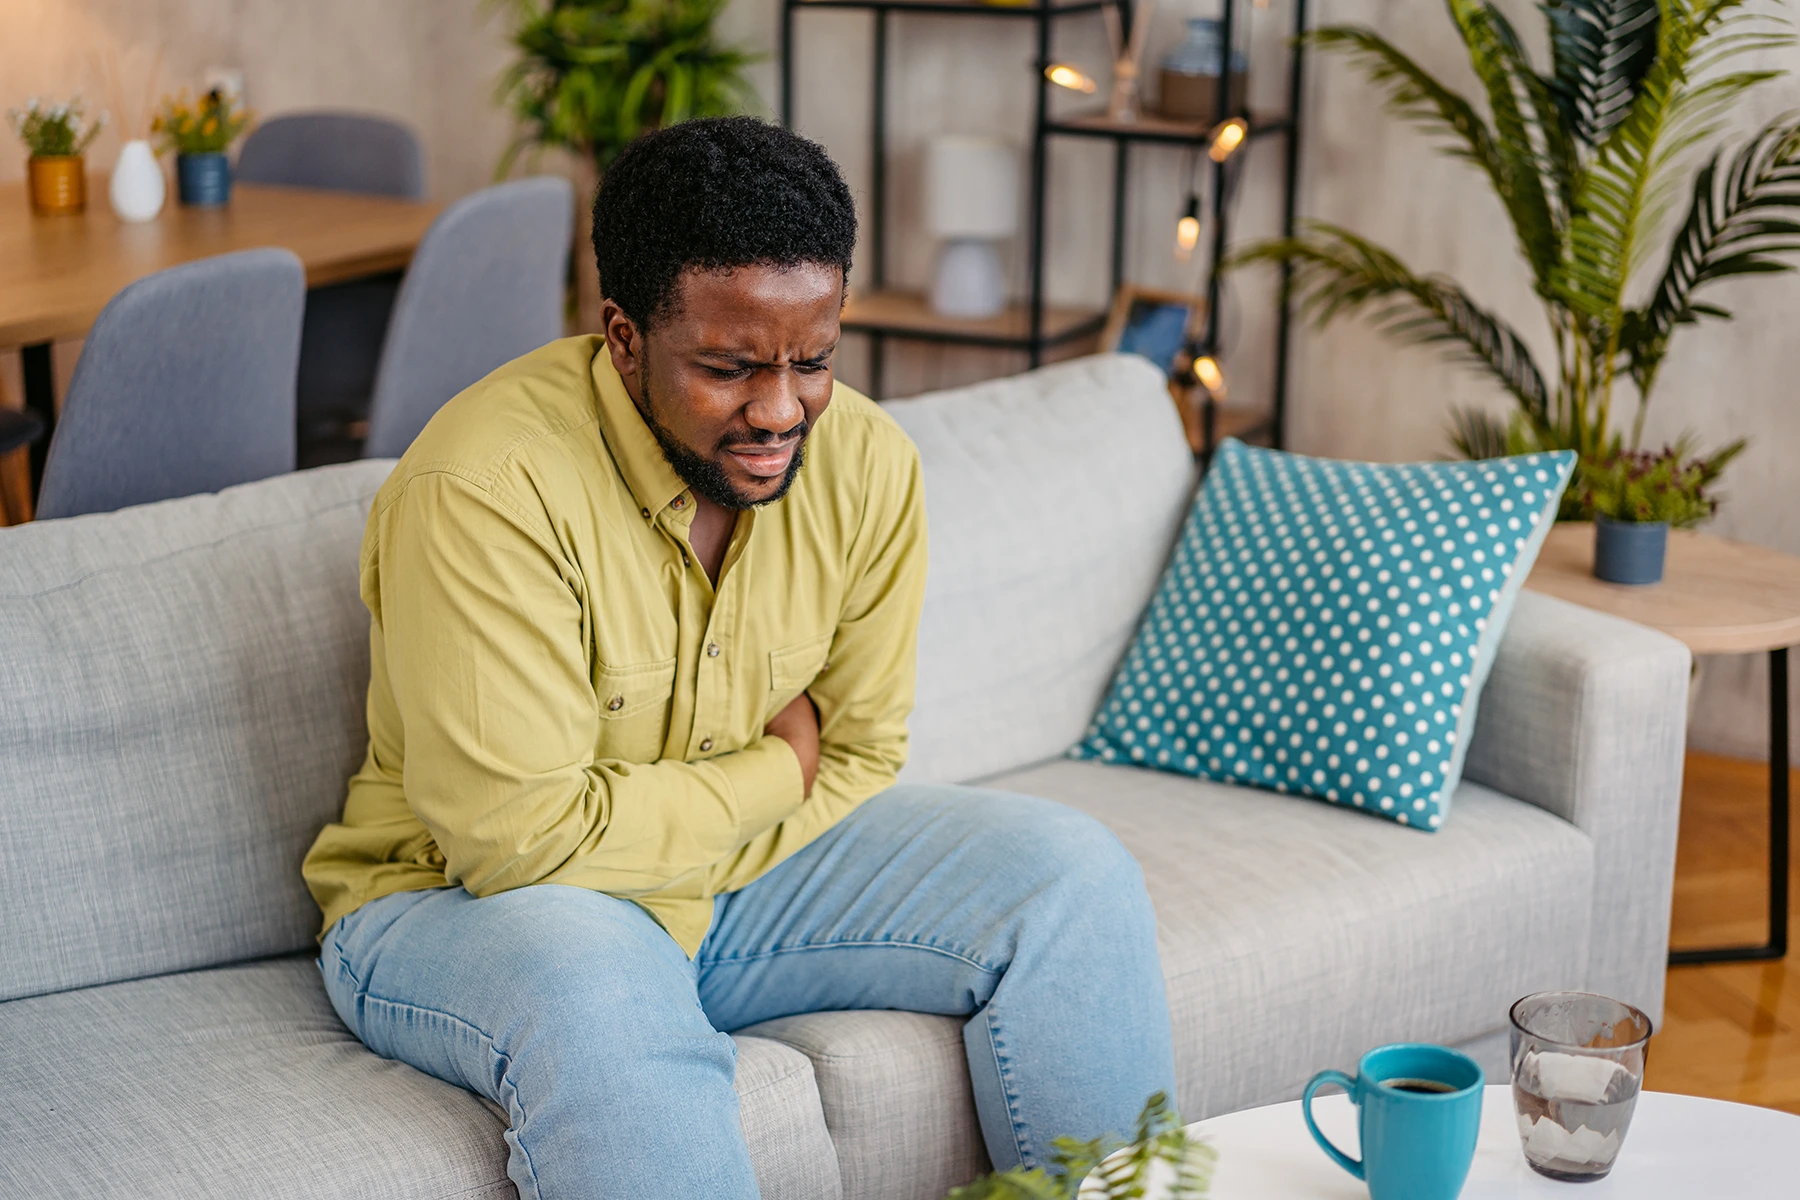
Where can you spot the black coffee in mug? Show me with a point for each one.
(1430, 1087)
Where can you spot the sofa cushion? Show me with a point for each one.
(894, 1087)
(1325, 627)
(1053, 498)
(241, 1081)
(184, 687)
(1296, 935)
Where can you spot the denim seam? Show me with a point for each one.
(1003, 1068)
(343, 960)
(863, 943)
(504, 1059)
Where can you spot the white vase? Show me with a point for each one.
(138, 188)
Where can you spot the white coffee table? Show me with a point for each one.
(1678, 1148)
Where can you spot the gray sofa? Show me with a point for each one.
(183, 689)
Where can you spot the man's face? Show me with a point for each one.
(735, 378)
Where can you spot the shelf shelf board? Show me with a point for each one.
(1152, 127)
(966, 8)
(908, 315)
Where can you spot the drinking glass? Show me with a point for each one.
(1577, 1064)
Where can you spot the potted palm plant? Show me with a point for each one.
(591, 75)
(55, 135)
(1585, 157)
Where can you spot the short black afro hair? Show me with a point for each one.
(714, 194)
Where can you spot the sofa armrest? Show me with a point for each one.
(1585, 715)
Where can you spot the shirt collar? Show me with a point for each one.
(653, 482)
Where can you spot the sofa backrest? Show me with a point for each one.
(1054, 498)
(181, 702)
(182, 684)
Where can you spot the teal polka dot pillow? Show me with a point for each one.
(1324, 628)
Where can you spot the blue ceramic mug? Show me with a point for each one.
(1419, 1111)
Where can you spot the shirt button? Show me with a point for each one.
(712, 650)
(706, 745)
(678, 502)
(646, 513)
(615, 704)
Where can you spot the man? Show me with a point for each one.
(644, 612)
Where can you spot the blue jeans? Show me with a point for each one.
(579, 1016)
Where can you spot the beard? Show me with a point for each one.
(704, 476)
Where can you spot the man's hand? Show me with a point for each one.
(798, 726)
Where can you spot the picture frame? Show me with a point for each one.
(1158, 324)
(1154, 323)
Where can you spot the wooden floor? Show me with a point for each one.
(1729, 1031)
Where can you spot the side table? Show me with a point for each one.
(1716, 597)
(1678, 1148)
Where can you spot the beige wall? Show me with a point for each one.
(433, 63)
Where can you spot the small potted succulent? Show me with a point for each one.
(1636, 496)
(55, 136)
(200, 134)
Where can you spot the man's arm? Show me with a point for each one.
(479, 622)
(866, 693)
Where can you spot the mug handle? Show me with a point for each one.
(1352, 1165)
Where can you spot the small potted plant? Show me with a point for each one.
(1165, 1162)
(1636, 496)
(55, 136)
(200, 134)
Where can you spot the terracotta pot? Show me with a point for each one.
(58, 184)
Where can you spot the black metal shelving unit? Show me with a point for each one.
(1036, 326)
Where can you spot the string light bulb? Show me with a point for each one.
(1187, 230)
(1208, 375)
(1065, 76)
(1227, 136)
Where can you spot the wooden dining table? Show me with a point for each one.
(57, 273)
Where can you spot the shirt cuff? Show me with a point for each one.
(765, 776)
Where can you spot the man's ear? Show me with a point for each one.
(624, 341)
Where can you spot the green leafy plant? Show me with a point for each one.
(206, 126)
(55, 130)
(1668, 485)
(1587, 159)
(593, 74)
(1163, 1152)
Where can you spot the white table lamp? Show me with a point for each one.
(971, 201)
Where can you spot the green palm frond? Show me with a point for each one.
(1337, 273)
(1477, 433)
(1500, 64)
(1414, 94)
(1625, 194)
(1600, 51)
(1736, 225)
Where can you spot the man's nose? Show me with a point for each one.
(776, 405)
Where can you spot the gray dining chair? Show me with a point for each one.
(185, 385)
(345, 322)
(486, 285)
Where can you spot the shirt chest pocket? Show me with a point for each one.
(792, 668)
(634, 709)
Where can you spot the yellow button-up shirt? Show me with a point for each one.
(557, 693)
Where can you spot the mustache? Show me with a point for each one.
(763, 437)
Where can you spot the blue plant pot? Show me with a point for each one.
(203, 180)
(1629, 551)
